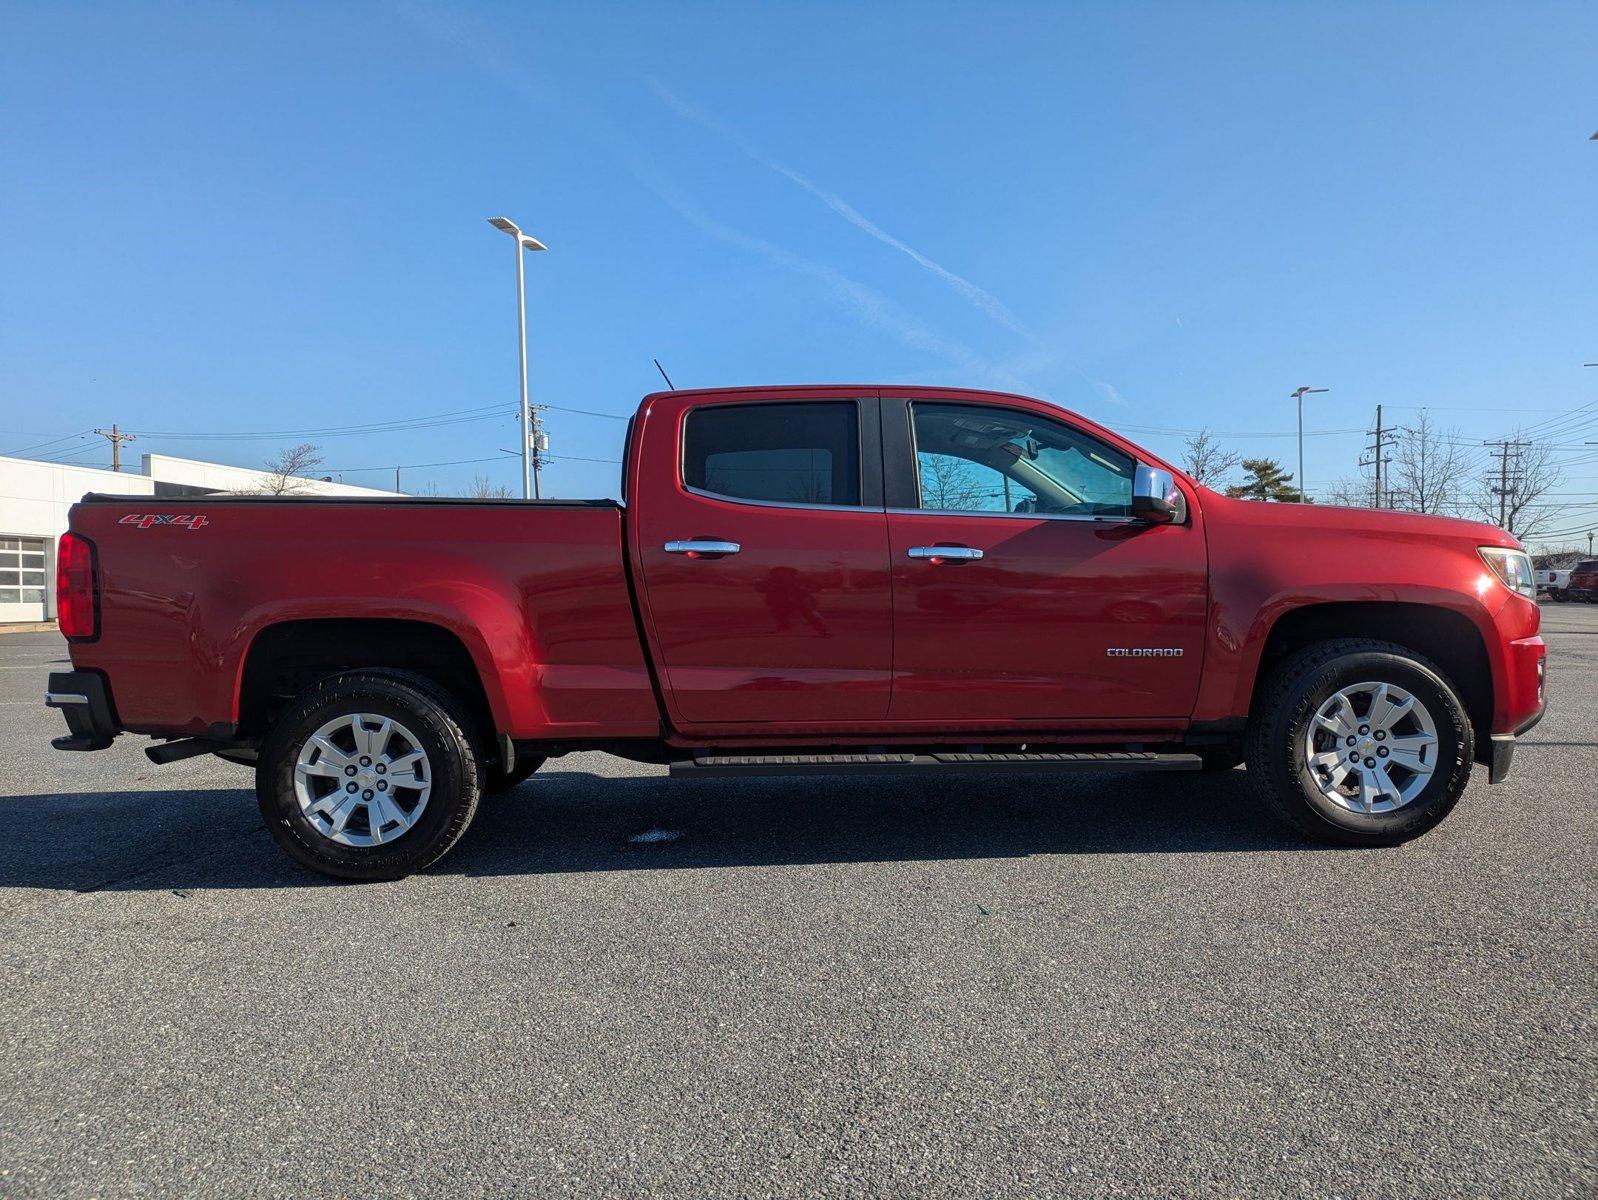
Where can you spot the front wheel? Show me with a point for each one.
(368, 776)
(1362, 743)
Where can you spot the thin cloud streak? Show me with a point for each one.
(467, 36)
(872, 307)
(985, 300)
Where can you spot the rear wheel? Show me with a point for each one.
(1362, 743)
(368, 776)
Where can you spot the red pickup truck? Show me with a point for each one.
(803, 580)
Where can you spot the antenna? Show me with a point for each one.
(664, 376)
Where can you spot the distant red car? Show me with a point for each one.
(1583, 581)
(803, 580)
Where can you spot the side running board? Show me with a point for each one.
(951, 762)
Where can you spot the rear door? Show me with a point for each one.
(1023, 590)
(761, 536)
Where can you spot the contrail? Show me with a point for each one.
(985, 300)
(468, 37)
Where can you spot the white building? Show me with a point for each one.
(35, 497)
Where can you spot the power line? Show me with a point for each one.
(51, 442)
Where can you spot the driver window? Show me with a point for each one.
(972, 458)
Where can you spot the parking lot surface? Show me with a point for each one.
(1092, 985)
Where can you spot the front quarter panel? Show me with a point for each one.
(1268, 560)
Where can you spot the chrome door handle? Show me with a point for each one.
(698, 546)
(946, 553)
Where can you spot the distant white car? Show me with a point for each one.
(1555, 583)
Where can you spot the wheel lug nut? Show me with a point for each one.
(349, 770)
(366, 762)
(1362, 729)
(1350, 742)
(1381, 735)
(1370, 762)
(350, 786)
(367, 794)
(382, 785)
(381, 769)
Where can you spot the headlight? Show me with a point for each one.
(1513, 568)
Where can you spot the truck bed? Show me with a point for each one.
(535, 591)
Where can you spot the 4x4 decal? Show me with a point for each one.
(145, 520)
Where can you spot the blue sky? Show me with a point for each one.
(245, 219)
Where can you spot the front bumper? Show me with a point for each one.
(1501, 748)
(85, 701)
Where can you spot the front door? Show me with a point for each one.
(765, 559)
(1047, 602)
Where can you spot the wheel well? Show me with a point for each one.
(287, 658)
(1447, 638)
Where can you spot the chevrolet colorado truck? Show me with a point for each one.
(803, 580)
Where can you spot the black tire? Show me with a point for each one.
(1293, 694)
(496, 781)
(1559, 596)
(441, 730)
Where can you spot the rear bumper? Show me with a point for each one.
(85, 701)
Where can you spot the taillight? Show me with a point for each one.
(77, 591)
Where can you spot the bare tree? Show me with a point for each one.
(1350, 492)
(951, 484)
(1428, 469)
(1531, 471)
(285, 474)
(1206, 461)
(482, 488)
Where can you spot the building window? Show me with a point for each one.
(23, 574)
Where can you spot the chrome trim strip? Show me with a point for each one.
(62, 699)
(1014, 516)
(693, 491)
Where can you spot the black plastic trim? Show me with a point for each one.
(939, 761)
(91, 725)
(899, 487)
(1501, 754)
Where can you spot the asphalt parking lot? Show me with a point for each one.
(1094, 985)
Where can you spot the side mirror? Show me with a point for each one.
(1156, 499)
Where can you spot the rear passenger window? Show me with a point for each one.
(783, 453)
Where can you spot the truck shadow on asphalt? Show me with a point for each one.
(568, 822)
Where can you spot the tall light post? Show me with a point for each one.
(530, 486)
(1299, 394)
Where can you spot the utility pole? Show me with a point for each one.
(1505, 488)
(539, 444)
(396, 479)
(1383, 439)
(116, 437)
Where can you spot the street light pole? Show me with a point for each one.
(530, 483)
(1299, 394)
